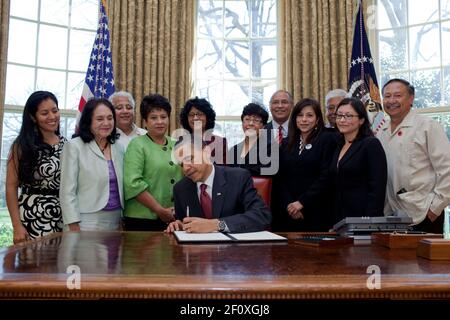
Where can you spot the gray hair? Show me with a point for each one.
(335, 93)
(281, 90)
(123, 94)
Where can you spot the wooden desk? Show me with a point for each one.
(152, 265)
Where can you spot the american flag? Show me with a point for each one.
(99, 82)
(362, 79)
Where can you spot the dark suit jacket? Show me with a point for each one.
(360, 179)
(269, 125)
(304, 178)
(233, 198)
(276, 205)
(258, 157)
(219, 149)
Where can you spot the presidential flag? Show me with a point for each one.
(99, 82)
(362, 80)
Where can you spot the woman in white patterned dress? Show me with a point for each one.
(34, 168)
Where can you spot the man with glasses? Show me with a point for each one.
(332, 99)
(418, 155)
(124, 104)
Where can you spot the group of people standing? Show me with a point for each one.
(399, 166)
(115, 175)
(327, 175)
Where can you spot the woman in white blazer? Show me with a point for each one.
(91, 192)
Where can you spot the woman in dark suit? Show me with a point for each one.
(359, 168)
(304, 160)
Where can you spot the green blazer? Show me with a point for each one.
(149, 166)
(85, 178)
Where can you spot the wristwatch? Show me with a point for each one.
(221, 226)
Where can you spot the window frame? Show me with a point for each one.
(375, 38)
(66, 114)
(250, 79)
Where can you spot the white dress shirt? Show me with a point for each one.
(124, 139)
(209, 184)
(284, 130)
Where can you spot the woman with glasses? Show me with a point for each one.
(359, 168)
(305, 157)
(199, 118)
(248, 153)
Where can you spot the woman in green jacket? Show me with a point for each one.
(149, 170)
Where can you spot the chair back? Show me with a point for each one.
(264, 187)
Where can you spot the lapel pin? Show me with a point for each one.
(219, 193)
(308, 146)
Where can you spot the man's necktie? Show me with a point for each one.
(205, 202)
(280, 134)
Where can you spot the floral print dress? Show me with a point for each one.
(40, 211)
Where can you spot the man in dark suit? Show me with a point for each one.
(215, 198)
(281, 104)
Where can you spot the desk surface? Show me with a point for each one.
(153, 265)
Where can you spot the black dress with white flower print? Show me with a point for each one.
(40, 211)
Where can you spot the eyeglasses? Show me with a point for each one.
(254, 120)
(196, 114)
(346, 117)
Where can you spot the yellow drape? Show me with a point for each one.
(315, 46)
(152, 43)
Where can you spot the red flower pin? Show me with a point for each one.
(399, 133)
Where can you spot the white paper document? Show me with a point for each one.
(183, 236)
(256, 236)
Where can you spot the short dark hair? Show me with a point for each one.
(86, 120)
(294, 131)
(254, 109)
(365, 130)
(154, 101)
(204, 106)
(409, 86)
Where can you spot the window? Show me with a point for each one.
(49, 47)
(236, 58)
(412, 40)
